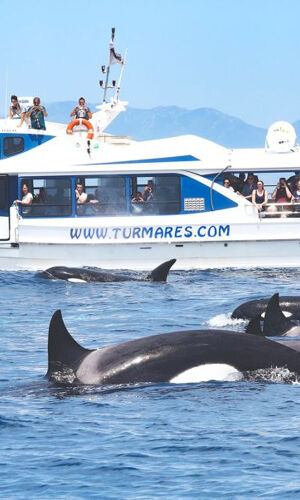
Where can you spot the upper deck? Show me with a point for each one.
(25, 150)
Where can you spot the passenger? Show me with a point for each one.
(81, 196)
(260, 196)
(26, 199)
(248, 187)
(37, 114)
(16, 111)
(148, 191)
(296, 197)
(227, 184)
(42, 195)
(91, 198)
(282, 194)
(138, 198)
(81, 111)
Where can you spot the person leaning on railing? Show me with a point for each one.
(260, 196)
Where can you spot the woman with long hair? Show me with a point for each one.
(260, 196)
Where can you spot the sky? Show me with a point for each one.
(240, 57)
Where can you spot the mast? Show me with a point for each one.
(109, 109)
(108, 66)
(120, 77)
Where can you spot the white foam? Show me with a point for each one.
(276, 375)
(76, 280)
(224, 320)
(205, 373)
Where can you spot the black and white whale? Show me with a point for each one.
(85, 274)
(275, 323)
(290, 306)
(169, 357)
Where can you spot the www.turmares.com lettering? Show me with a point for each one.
(156, 233)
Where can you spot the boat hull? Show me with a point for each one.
(189, 255)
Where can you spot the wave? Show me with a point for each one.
(225, 320)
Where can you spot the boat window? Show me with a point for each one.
(3, 193)
(51, 197)
(102, 195)
(155, 194)
(13, 145)
(280, 202)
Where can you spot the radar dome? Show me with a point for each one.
(281, 137)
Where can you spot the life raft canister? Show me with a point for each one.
(81, 121)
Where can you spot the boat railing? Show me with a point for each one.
(283, 209)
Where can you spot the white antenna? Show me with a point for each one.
(108, 66)
(120, 77)
(113, 58)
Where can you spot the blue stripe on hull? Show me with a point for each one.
(148, 160)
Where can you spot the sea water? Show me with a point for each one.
(230, 439)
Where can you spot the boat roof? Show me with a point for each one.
(263, 159)
(69, 154)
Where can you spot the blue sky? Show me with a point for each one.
(238, 56)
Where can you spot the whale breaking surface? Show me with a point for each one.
(162, 358)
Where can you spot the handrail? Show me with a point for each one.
(212, 207)
(283, 212)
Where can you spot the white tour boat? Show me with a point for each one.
(143, 202)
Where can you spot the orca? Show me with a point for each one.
(274, 322)
(85, 274)
(290, 305)
(168, 357)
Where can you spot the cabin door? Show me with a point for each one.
(4, 208)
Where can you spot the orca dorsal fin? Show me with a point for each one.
(253, 326)
(161, 272)
(275, 322)
(63, 351)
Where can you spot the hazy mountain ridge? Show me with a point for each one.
(169, 121)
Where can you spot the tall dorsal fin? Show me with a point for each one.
(275, 322)
(161, 272)
(63, 350)
(253, 326)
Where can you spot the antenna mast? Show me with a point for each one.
(113, 30)
(113, 59)
(120, 77)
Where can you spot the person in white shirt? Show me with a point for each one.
(81, 196)
(26, 199)
(227, 184)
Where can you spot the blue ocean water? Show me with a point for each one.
(208, 440)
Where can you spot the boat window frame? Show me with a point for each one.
(83, 177)
(4, 209)
(9, 137)
(150, 176)
(29, 180)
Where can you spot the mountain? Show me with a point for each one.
(169, 121)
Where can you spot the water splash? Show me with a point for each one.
(222, 320)
(276, 375)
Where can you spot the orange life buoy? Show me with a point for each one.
(81, 121)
